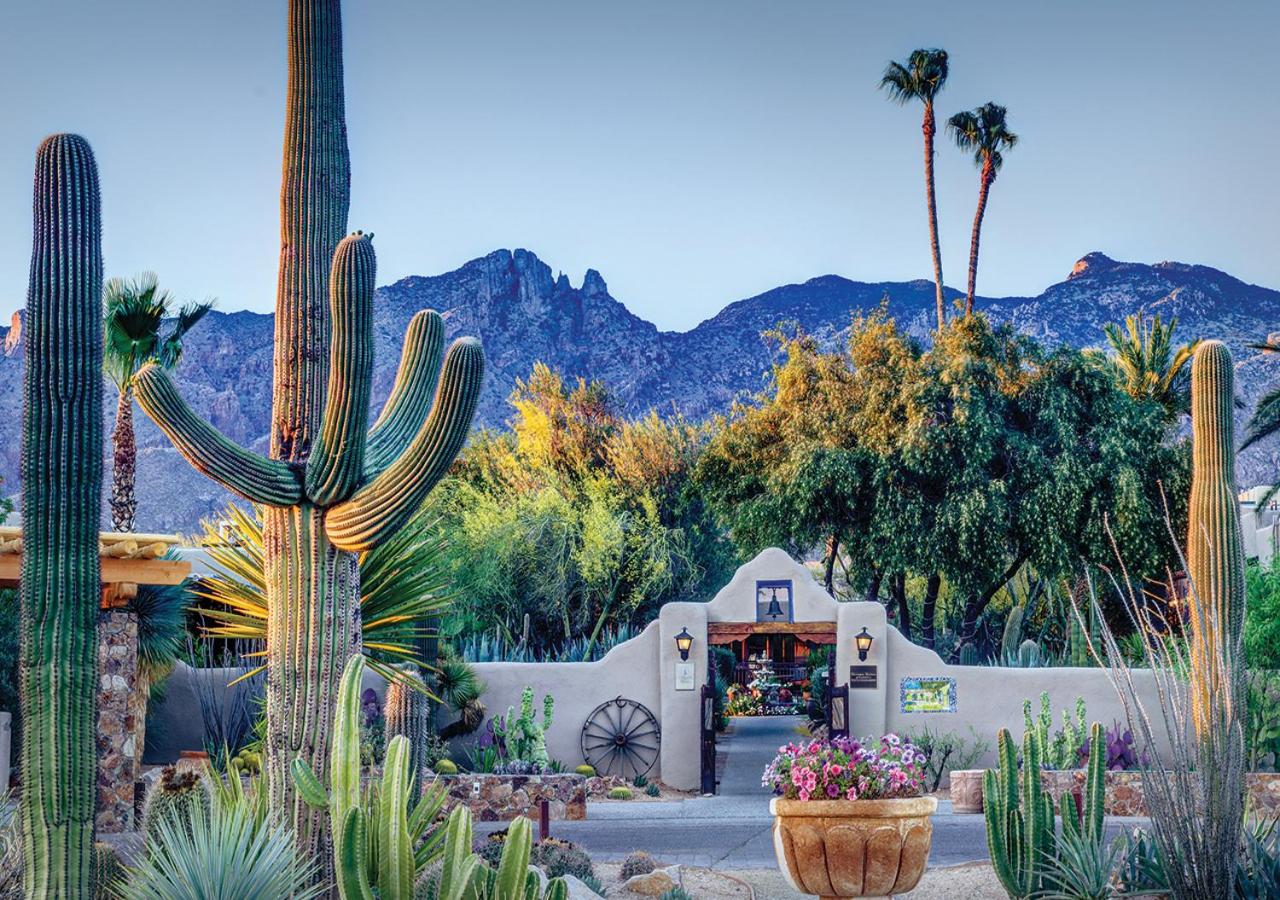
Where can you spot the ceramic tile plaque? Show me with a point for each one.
(928, 694)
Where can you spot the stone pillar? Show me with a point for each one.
(118, 754)
(867, 706)
(680, 756)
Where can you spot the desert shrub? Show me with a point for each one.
(557, 858)
(637, 863)
(1262, 730)
(945, 751)
(1262, 615)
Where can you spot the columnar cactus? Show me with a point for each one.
(61, 493)
(1019, 815)
(332, 488)
(1215, 554)
(407, 711)
(524, 738)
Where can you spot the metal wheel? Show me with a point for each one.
(621, 737)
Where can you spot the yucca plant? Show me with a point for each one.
(403, 584)
(381, 839)
(229, 855)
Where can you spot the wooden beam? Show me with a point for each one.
(114, 571)
(726, 629)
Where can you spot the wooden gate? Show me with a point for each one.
(837, 705)
(708, 737)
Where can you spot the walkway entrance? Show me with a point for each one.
(751, 746)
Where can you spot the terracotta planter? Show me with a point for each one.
(853, 848)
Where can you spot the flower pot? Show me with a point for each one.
(853, 848)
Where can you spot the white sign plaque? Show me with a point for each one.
(685, 678)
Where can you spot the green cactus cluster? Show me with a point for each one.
(407, 712)
(1215, 549)
(332, 485)
(524, 737)
(378, 831)
(1060, 749)
(61, 507)
(1020, 814)
(463, 875)
(179, 797)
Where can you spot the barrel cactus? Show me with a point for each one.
(1215, 550)
(108, 872)
(332, 486)
(179, 797)
(407, 711)
(61, 493)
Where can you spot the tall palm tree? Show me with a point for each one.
(985, 132)
(1265, 420)
(134, 316)
(1147, 363)
(921, 78)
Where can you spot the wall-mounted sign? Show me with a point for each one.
(930, 694)
(773, 601)
(862, 677)
(685, 679)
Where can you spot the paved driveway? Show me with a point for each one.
(732, 830)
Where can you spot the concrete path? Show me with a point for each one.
(733, 830)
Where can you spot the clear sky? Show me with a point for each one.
(693, 152)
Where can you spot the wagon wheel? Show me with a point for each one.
(621, 737)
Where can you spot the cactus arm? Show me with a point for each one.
(344, 758)
(61, 492)
(241, 471)
(457, 865)
(352, 859)
(409, 403)
(395, 847)
(337, 459)
(387, 502)
(514, 865)
(1070, 820)
(308, 785)
(997, 818)
(557, 889)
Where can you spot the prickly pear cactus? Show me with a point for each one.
(1215, 554)
(332, 485)
(61, 493)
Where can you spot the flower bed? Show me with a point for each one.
(1124, 795)
(501, 798)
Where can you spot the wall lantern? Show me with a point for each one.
(684, 641)
(863, 640)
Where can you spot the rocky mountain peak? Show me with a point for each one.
(593, 285)
(1091, 264)
(13, 340)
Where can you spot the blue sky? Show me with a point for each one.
(694, 152)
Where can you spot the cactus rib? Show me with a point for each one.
(409, 403)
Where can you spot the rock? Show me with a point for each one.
(578, 889)
(654, 884)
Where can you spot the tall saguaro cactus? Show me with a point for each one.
(61, 493)
(333, 487)
(1215, 549)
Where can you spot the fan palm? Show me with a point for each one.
(1147, 363)
(984, 131)
(1265, 420)
(921, 78)
(403, 585)
(135, 311)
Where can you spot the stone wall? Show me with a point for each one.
(1124, 793)
(118, 753)
(502, 798)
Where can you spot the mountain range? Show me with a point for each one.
(523, 313)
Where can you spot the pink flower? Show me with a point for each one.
(851, 794)
(804, 795)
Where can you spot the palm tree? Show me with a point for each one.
(135, 313)
(987, 134)
(1265, 420)
(1146, 362)
(921, 78)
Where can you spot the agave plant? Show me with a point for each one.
(403, 584)
(230, 855)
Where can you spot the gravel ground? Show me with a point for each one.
(974, 881)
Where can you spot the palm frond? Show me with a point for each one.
(171, 347)
(921, 78)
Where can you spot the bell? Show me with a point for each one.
(775, 608)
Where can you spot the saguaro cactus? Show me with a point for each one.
(331, 488)
(61, 492)
(407, 711)
(1215, 552)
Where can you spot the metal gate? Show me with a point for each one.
(837, 705)
(708, 737)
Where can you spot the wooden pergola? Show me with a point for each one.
(127, 560)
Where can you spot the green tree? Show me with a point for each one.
(922, 77)
(135, 311)
(1265, 420)
(985, 132)
(1147, 362)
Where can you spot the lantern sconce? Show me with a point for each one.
(684, 642)
(863, 641)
